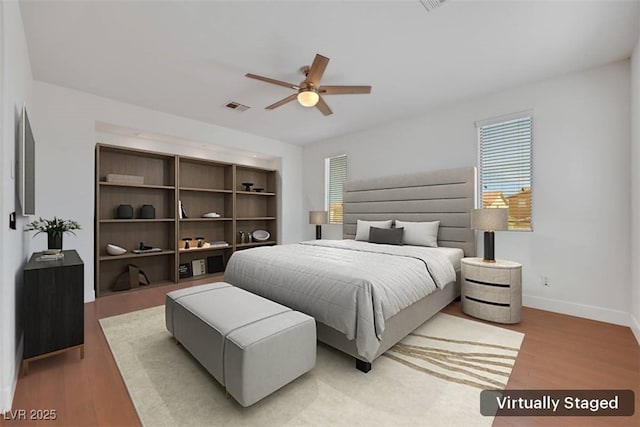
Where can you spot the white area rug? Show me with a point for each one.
(433, 378)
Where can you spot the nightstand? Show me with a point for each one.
(492, 290)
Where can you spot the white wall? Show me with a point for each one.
(581, 182)
(183, 148)
(635, 189)
(64, 125)
(15, 89)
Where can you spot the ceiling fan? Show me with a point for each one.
(309, 90)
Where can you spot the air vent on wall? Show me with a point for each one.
(429, 5)
(232, 105)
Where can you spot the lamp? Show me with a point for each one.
(318, 218)
(308, 97)
(489, 220)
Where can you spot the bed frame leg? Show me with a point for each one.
(363, 366)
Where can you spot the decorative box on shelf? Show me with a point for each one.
(114, 178)
(215, 264)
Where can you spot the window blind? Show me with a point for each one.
(506, 169)
(337, 175)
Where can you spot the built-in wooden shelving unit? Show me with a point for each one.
(200, 186)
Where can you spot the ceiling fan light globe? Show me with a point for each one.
(308, 98)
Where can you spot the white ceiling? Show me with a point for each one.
(189, 58)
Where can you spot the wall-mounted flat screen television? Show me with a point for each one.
(26, 165)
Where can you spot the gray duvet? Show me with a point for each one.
(348, 285)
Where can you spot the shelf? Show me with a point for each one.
(109, 292)
(257, 218)
(158, 187)
(253, 244)
(204, 219)
(202, 175)
(255, 193)
(130, 255)
(135, 220)
(259, 177)
(198, 203)
(210, 248)
(205, 190)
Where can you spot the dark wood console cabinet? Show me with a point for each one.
(53, 307)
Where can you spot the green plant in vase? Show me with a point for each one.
(55, 228)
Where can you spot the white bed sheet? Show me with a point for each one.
(454, 255)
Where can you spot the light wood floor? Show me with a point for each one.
(558, 352)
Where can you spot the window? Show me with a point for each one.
(505, 168)
(336, 175)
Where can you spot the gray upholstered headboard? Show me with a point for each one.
(447, 195)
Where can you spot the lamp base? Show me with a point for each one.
(318, 232)
(488, 247)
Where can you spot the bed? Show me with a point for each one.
(364, 296)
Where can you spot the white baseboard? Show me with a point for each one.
(8, 391)
(635, 327)
(579, 310)
(90, 296)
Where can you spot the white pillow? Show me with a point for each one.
(362, 230)
(420, 233)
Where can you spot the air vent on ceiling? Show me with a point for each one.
(232, 105)
(431, 4)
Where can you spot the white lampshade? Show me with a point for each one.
(308, 98)
(490, 219)
(318, 217)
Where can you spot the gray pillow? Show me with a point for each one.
(389, 236)
(362, 228)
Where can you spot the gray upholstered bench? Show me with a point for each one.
(250, 345)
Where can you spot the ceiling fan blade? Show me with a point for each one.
(322, 106)
(282, 101)
(343, 90)
(274, 81)
(316, 70)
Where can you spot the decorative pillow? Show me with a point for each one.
(389, 236)
(420, 233)
(362, 230)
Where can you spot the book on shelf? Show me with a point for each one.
(184, 270)
(198, 267)
(218, 244)
(182, 213)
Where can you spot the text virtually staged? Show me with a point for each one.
(557, 402)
